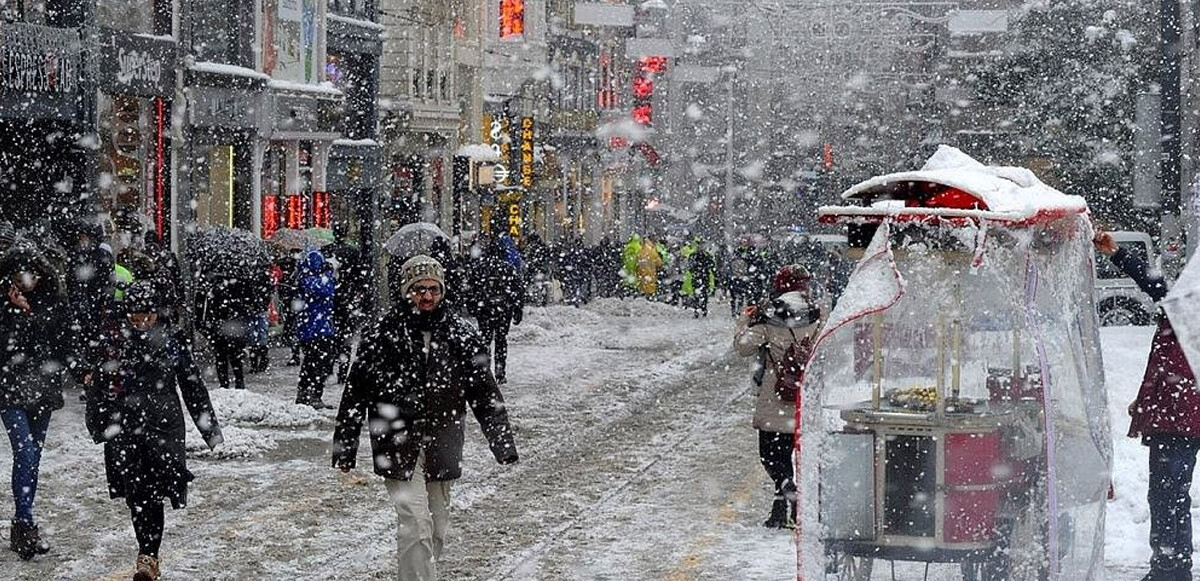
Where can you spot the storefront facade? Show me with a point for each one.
(136, 85)
(224, 127)
(44, 108)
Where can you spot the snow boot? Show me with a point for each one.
(783, 514)
(146, 569)
(24, 540)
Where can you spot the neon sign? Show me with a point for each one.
(512, 19)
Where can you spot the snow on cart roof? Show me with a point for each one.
(953, 185)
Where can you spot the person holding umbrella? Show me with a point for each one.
(1166, 411)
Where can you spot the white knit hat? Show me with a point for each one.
(421, 267)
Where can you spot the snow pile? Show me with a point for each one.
(1010, 193)
(635, 308)
(239, 443)
(577, 326)
(554, 323)
(243, 407)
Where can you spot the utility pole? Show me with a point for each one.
(1169, 23)
(727, 205)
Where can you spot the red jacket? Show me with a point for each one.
(1167, 402)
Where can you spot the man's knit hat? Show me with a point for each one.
(421, 267)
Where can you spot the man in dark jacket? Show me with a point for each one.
(1166, 415)
(421, 368)
(226, 305)
(496, 299)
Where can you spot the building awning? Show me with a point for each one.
(478, 152)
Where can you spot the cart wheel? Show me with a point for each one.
(852, 568)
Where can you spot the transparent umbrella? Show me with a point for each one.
(295, 239)
(415, 238)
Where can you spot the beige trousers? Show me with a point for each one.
(422, 517)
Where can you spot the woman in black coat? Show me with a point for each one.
(31, 360)
(133, 409)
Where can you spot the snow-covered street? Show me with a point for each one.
(637, 462)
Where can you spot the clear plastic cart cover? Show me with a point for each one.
(954, 412)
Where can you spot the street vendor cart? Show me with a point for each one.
(953, 421)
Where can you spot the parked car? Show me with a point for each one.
(1119, 301)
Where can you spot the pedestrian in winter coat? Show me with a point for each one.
(315, 327)
(133, 409)
(629, 263)
(1166, 415)
(497, 301)
(648, 262)
(89, 287)
(227, 306)
(349, 297)
(699, 277)
(781, 335)
(31, 361)
(421, 368)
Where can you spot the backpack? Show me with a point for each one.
(790, 371)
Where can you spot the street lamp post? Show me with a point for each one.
(727, 206)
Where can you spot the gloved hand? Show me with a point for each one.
(510, 458)
(518, 316)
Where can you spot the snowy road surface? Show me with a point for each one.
(637, 462)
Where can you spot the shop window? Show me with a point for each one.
(212, 36)
(214, 204)
(128, 15)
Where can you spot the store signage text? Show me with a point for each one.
(497, 136)
(527, 152)
(136, 65)
(38, 58)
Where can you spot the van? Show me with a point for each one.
(1119, 301)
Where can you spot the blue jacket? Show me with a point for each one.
(316, 286)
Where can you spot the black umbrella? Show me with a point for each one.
(232, 251)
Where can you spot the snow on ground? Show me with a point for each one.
(637, 462)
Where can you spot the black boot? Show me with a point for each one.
(24, 540)
(783, 514)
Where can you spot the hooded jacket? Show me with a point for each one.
(32, 344)
(317, 287)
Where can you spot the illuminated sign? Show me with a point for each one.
(270, 215)
(496, 134)
(514, 221)
(527, 152)
(322, 213)
(512, 19)
(643, 88)
(295, 211)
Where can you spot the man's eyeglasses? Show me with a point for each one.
(432, 291)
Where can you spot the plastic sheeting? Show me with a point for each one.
(1003, 474)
